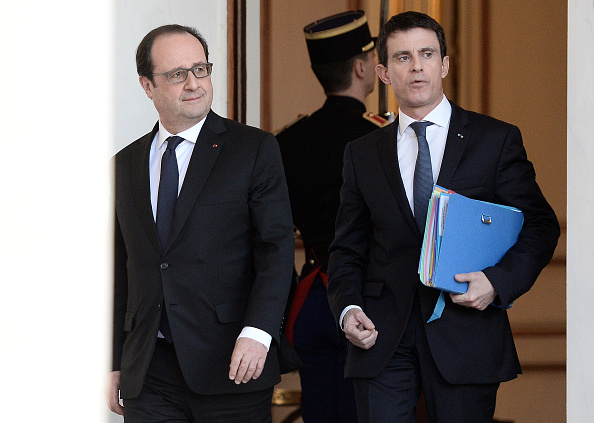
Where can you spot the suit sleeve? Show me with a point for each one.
(120, 292)
(350, 249)
(272, 240)
(516, 185)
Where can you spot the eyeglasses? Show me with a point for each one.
(201, 70)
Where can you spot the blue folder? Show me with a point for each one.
(476, 235)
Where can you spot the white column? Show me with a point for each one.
(56, 139)
(580, 205)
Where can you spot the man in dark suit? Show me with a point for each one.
(342, 54)
(198, 298)
(374, 290)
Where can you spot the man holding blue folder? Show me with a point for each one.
(460, 359)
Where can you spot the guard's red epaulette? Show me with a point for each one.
(284, 128)
(376, 119)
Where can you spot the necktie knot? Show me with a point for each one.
(420, 128)
(173, 141)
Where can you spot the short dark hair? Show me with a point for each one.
(337, 76)
(405, 22)
(144, 60)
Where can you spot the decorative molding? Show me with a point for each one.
(230, 56)
(544, 367)
(236, 60)
(265, 74)
(539, 331)
(485, 58)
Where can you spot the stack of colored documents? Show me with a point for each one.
(463, 235)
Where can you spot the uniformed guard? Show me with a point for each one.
(342, 54)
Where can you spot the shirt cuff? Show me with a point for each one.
(257, 335)
(345, 311)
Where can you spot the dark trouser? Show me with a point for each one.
(326, 396)
(392, 396)
(165, 397)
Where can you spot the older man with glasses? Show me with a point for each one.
(203, 251)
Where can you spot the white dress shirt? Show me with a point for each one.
(183, 152)
(407, 148)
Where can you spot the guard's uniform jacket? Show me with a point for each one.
(312, 150)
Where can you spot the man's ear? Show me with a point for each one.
(359, 67)
(445, 66)
(147, 86)
(382, 72)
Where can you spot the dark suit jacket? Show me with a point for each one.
(375, 254)
(227, 264)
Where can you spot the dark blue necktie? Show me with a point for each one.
(168, 187)
(423, 179)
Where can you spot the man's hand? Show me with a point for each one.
(247, 360)
(112, 393)
(359, 329)
(480, 291)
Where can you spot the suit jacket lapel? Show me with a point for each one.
(207, 149)
(458, 136)
(142, 189)
(389, 159)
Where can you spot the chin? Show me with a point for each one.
(197, 116)
(194, 112)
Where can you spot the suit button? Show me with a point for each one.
(164, 266)
(159, 307)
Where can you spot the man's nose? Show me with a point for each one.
(415, 63)
(191, 82)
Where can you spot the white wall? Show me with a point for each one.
(70, 99)
(580, 204)
(134, 112)
(56, 72)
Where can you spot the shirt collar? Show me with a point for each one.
(190, 134)
(439, 116)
